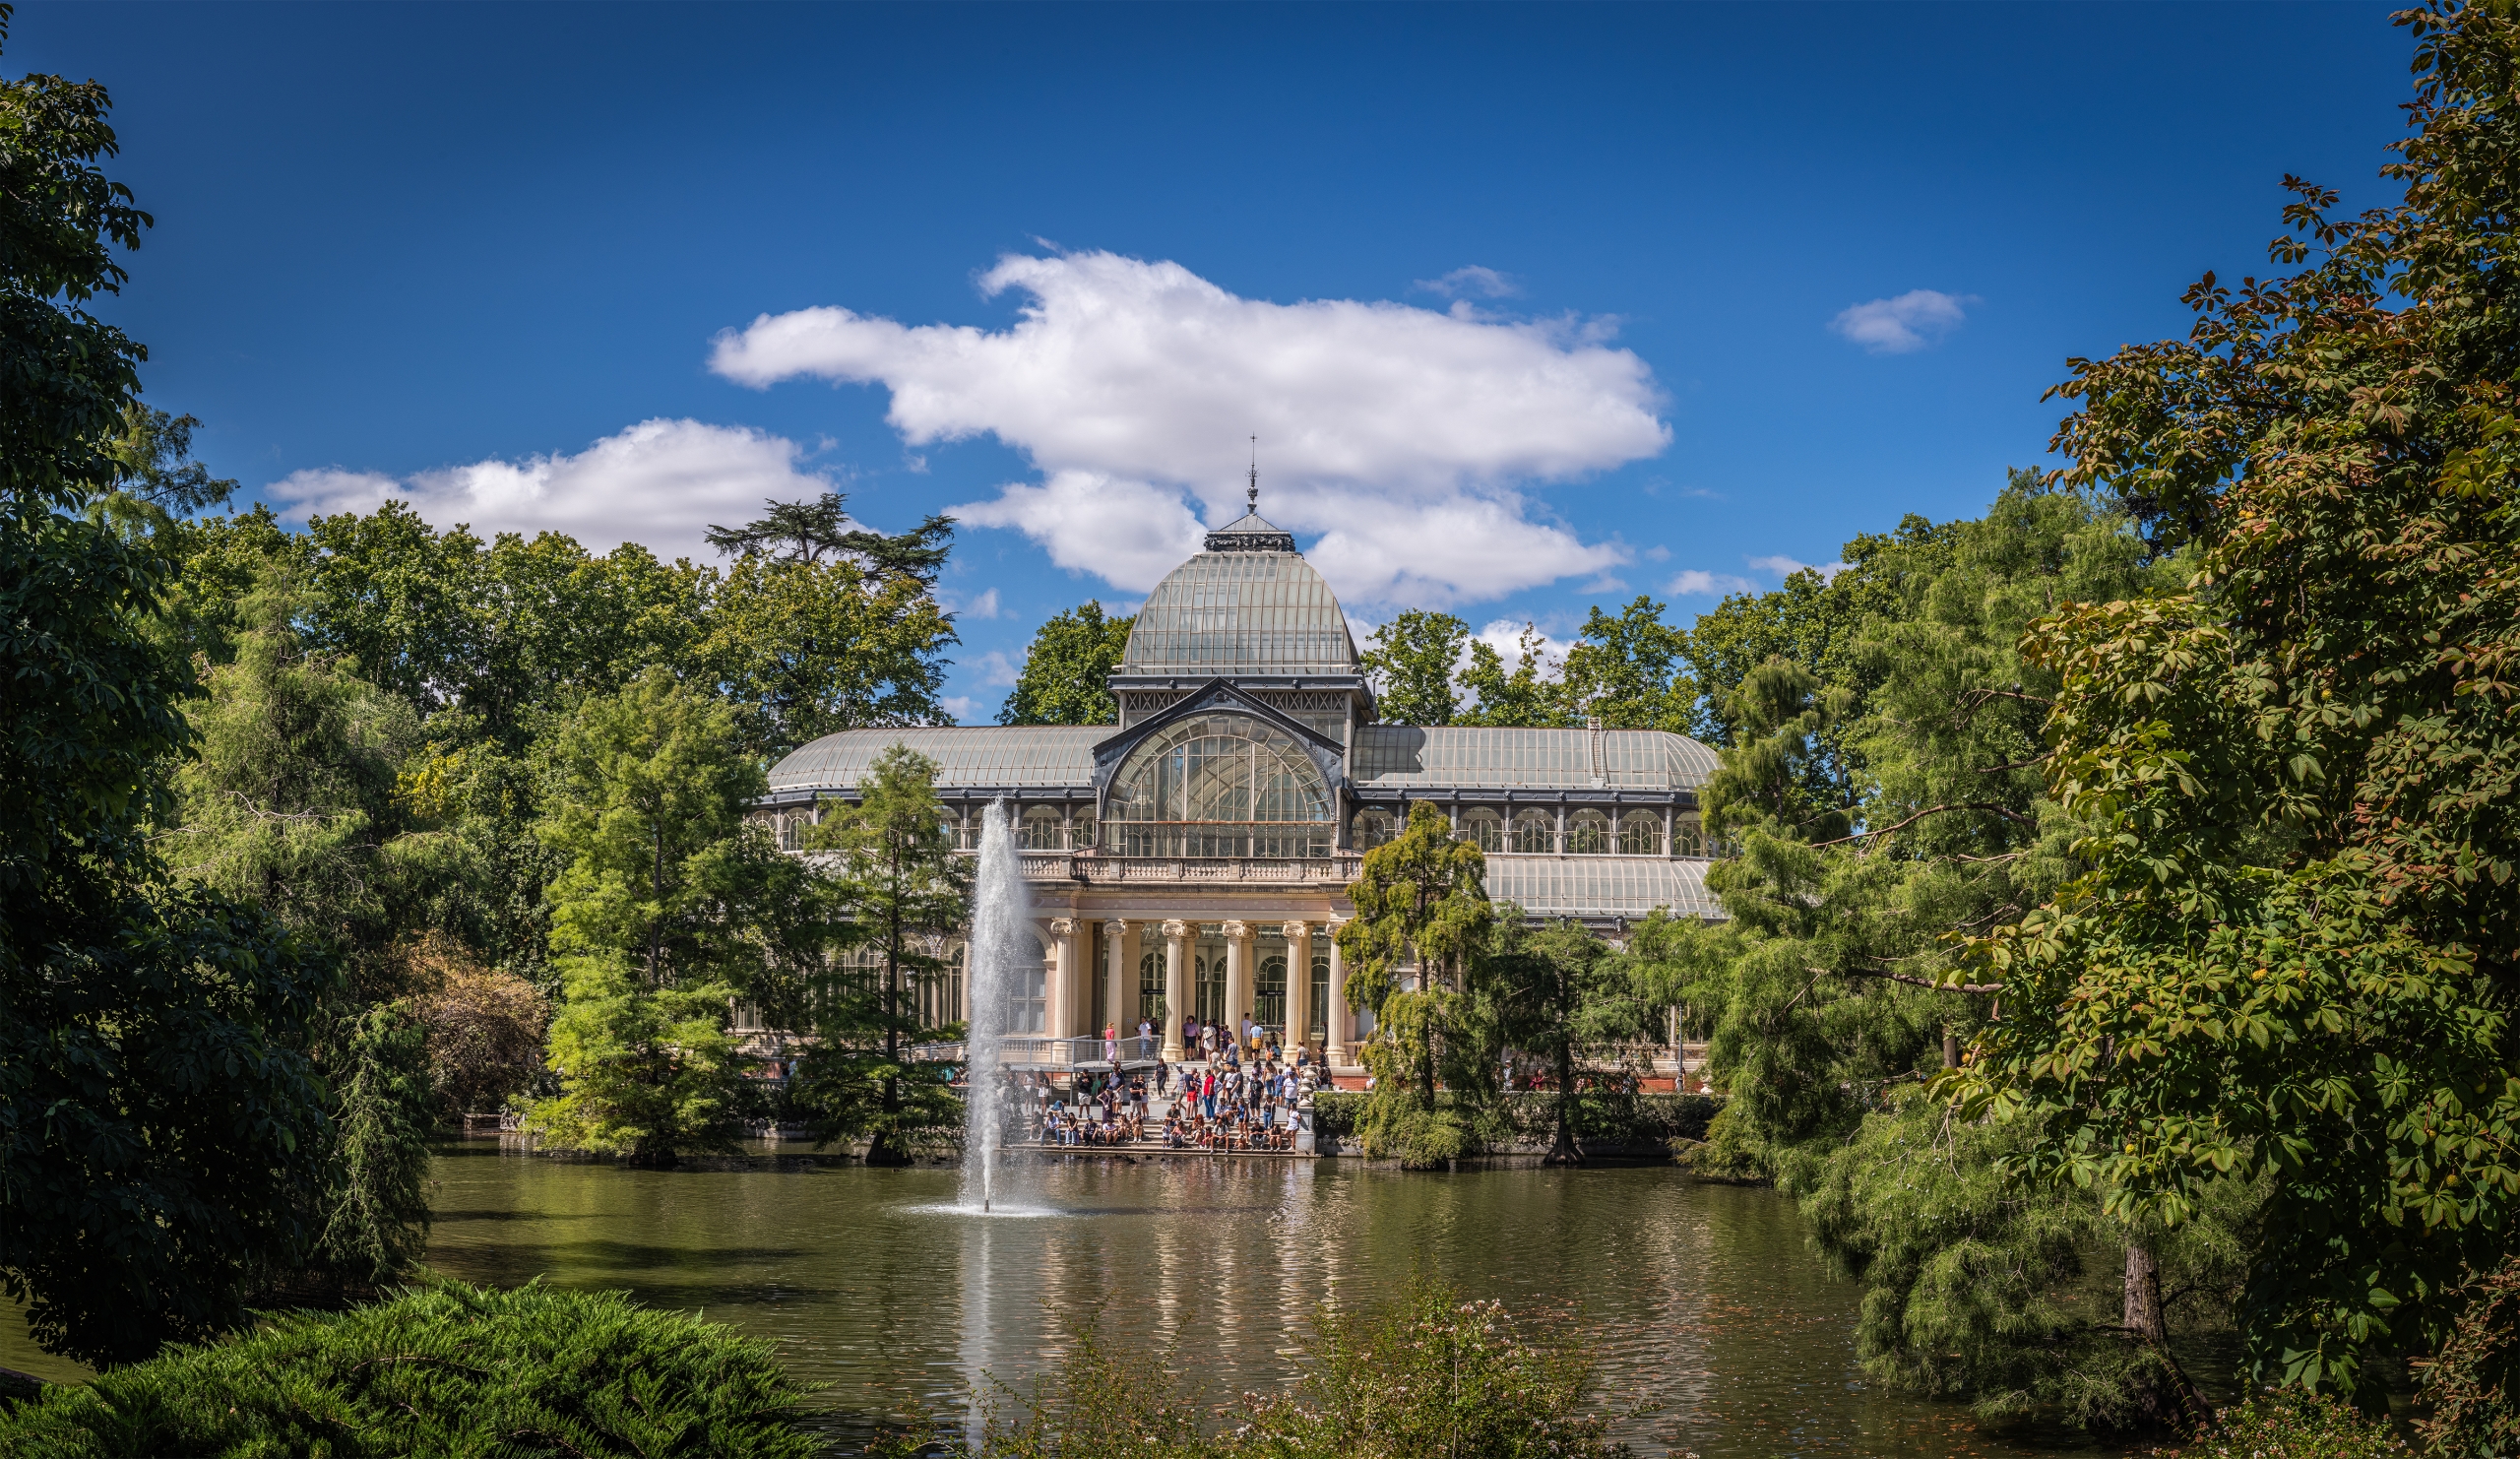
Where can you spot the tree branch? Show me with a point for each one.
(2007, 811)
(2017, 764)
(1910, 978)
(1975, 697)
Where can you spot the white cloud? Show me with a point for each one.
(1785, 567)
(1406, 436)
(1694, 582)
(997, 670)
(984, 607)
(959, 705)
(1471, 280)
(660, 483)
(1906, 324)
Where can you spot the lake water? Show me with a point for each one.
(1704, 1299)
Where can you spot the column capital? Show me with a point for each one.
(1115, 926)
(1176, 930)
(1237, 930)
(1062, 925)
(1298, 931)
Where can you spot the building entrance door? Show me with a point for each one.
(1269, 987)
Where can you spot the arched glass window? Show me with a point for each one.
(1640, 834)
(1150, 986)
(1219, 784)
(1535, 831)
(1081, 830)
(1587, 833)
(1686, 838)
(1043, 829)
(1483, 828)
(1373, 828)
(1319, 1006)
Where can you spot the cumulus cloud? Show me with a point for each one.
(1408, 438)
(984, 607)
(1472, 280)
(660, 483)
(959, 705)
(1505, 636)
(1904, 325)
(1695, 582)
(1785, 567)
(997, 670)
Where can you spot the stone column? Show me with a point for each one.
(1333, 1037)
(1559, 844)
(1669, 823)
(1059, 998)
(1298, 985)
(1125, 980)
(1237, 976)
(1177, 987)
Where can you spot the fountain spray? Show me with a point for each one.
(1001, 949)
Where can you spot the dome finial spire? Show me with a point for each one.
(1253, 495)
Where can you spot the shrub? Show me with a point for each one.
(437, 1371)
(2293, 1425)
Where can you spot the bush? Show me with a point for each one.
(2293, 1425)
(437, 1371)
(1602, 1120)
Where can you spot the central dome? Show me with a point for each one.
(1249, 605)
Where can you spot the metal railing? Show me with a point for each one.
(1338, 869)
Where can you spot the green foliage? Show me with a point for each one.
(2292, 1425)
(439, 1371)
(652, 922)
(154, 457)
(376, 1200)
(290, 800)
(893, 867)
(1422, 902)
(1412, 660)
(1431, 1376)
(811, 648)
(1063, 680)
(1630, 671)
(1557, 991)
(2469, 1384)
(2289, 956)
(1527, 695)
(159, 1122)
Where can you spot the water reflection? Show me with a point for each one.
(1703, 1301)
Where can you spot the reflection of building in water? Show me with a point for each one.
(1195, 857)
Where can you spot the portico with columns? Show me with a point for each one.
(1194, 857)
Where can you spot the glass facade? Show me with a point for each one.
(1320, 1001)
(1250, 613)
(1219, 784)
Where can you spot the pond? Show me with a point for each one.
(1705, 1301)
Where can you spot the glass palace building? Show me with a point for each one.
(1196, 855)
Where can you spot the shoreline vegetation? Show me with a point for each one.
(2117, 890)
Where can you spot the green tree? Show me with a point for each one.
(1064, 679)
(896, 874)
(653, 920)
(158, 1120)
(1422, 905)
(1411, 661)
(2290, 955)
(1557, 989)
(811, 648)
(376, 1209)
(1525, 696)
(1629, 671)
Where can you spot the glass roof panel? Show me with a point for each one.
(1601, 886)
(1047, 755)
(1401, 757)
(1241, 612)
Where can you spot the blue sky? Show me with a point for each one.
(1532, 308)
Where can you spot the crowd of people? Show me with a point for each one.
(1239, 1092)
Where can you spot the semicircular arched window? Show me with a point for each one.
(1219, 784)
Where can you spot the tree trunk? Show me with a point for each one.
(1950, 1049)
(1562, 1149)
(888, 1148)
(2174, 1400)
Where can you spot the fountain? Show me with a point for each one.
(1000, 948)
